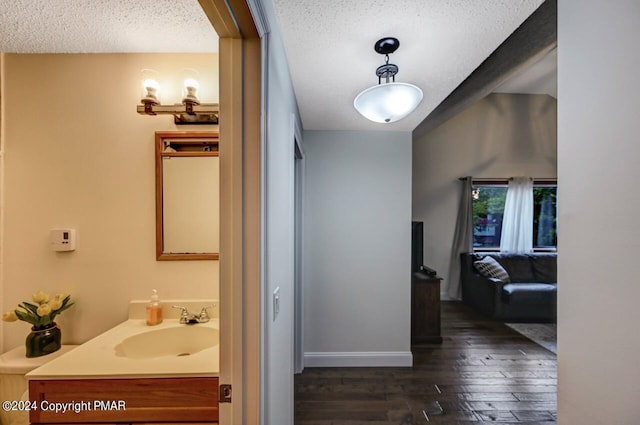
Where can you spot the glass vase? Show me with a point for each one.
(43, 341)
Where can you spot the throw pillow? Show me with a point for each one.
(489, 267)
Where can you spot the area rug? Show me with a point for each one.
(544, 334)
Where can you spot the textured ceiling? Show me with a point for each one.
(105, 26)
(329, 43)
(329, 47)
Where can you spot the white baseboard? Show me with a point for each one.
(359, 359)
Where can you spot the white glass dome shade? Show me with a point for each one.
(388, 102)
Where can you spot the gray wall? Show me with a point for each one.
(280, 119)
(598, 153)
(357, 249)
(500, 136)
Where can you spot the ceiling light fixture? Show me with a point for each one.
(389, 101)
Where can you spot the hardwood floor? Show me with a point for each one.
(483, 372)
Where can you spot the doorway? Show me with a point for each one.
(298, 205)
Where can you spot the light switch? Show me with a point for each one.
(276, 302)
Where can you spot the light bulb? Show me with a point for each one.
(151, 89)
(190, 91)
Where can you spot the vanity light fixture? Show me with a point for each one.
(190, 111)
(387, 101)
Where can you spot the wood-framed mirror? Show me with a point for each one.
(187, 195)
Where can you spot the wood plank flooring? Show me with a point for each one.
(483, 372)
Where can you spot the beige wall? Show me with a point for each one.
(500, 136)
(77, 154)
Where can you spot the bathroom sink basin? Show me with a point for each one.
(176, 342)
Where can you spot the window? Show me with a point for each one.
(488, 209)
(544, 216)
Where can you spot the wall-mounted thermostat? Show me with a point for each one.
(63, 239)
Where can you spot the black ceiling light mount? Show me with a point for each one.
(386, 46)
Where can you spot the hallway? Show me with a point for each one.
(484, 372)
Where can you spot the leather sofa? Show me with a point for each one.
(529, 293)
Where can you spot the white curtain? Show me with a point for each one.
(462, 239)
(517, 221)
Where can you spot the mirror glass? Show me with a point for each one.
(187, 196)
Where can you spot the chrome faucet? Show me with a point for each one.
(187, 318)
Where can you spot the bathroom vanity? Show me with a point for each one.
(133, 373)
(136, 400)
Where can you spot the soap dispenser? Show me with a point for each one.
(154, 310)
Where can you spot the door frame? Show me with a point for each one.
(240, 207)
(298, 244)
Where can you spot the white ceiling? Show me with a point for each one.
(329, 43)
(105, 26)
(329, 47)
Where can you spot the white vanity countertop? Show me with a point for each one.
(97, 358)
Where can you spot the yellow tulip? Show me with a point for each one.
(40, 297)
(44, 310)
(10, 316)
(56, 302)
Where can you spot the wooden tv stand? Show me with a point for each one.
(425, 309)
